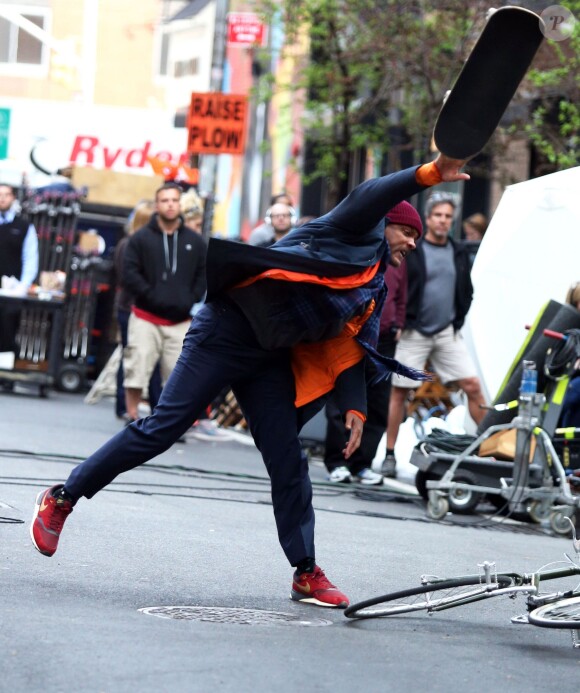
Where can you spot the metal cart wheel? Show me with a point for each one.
(540, 510)
(464, 501)
(560, 522)
(421, 479)
(437, 506)
(69, 379)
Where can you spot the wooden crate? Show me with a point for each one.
(113, 188)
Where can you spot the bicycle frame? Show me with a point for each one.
(558, 609)
(522, 583)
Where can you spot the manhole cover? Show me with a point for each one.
(247, 617)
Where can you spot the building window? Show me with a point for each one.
(164, 54)
(17, 46)
(184, 68)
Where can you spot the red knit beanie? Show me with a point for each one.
(406, 214)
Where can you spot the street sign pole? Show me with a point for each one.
(208, 163)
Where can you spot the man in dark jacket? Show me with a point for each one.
(18, 259)
(438, 298)
(164, 269)
(283, 326)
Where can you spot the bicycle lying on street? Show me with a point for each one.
(559, 609)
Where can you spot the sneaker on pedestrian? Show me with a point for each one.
(52, 509)
(143, 409)
(208, 429)
(389, 468)
(369, 478)
(340, 475)
(316, 588)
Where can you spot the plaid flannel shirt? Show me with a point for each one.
(331, 304)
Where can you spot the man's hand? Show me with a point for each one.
(450, 169)
(354, 424)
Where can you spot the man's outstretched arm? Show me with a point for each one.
(368, 203)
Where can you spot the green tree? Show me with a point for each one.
(369, 65)
(375, 67)
(554, 123)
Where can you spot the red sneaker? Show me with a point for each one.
(49, 515)
(316, 588)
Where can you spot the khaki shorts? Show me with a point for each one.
(445, 351)
(146, 345)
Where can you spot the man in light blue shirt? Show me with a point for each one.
(18, 241)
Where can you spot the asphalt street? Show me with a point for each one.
(194, 529)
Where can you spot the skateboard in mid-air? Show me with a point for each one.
(486, 84)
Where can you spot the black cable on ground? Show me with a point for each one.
(144, 488)
(440, 440)
(181, 470)
(354, 513)
(379, 495)
(28, 453)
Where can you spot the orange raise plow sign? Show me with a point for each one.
(216, 123)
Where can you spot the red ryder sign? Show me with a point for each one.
(88, 150)
(245, 29)
(117, 139)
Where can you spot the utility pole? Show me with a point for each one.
(209, 162)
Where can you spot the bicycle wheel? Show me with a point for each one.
(432, 597)
(564, 613)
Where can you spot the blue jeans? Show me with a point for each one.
(220, 349)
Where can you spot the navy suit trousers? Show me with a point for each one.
(220, 350)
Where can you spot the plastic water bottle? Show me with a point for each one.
(529, 384)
